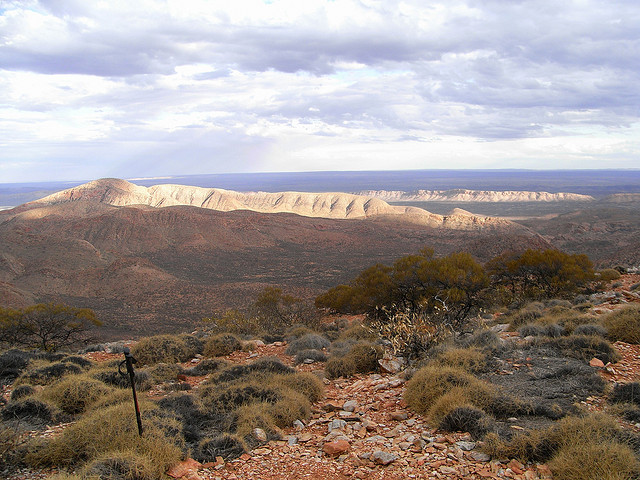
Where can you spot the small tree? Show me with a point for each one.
(47, 326)
(275, 311)
(536, 274)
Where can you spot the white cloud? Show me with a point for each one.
(286, 84)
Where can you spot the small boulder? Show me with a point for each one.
(383, 458)
(336, 447)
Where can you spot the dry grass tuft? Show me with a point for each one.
(430, 383)
(161, 348)
(76, 393)
(624, 324)
(221, 345)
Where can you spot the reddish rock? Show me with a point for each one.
(336, 447)
(596, 362)
(184, 468)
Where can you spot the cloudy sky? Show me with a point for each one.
(95, 88)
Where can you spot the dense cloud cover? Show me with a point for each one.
(153, 87)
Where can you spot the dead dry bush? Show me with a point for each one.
(123, 465)
(31, 411)
(226, 446)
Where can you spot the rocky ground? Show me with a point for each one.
(363, 428)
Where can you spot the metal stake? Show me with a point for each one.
(129, 361)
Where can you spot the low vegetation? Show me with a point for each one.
(433, 312)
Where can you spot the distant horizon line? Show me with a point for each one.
(168, 177)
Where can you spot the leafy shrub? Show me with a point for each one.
(429, 383)
(626, 393)
(31, 410)
(466, 419)
(340, 367)
(307, 342)
(624, 324)
(206, 366)
(315, 355)
(226, 446)
(75, 393)
(22, 391)
(221, 345)
(113, 429)
(161, 348)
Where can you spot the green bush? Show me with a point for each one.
(221, 345)
(161, 348)
(624, 324)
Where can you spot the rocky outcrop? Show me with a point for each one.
(334, 205)
(463, 195)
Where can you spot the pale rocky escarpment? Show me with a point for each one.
(463, 195)
(333, 205)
